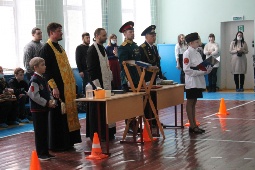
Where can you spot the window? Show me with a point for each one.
(17, 20)
(140, 13)
(80, 16)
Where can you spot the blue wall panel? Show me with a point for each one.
(168, 63)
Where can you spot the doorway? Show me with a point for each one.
(228, 33)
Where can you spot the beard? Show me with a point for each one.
(103, 41)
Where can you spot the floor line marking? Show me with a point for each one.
(216, 157)
(218, 140)
(170, 157)
(248, 158)
(231, 108)
(230, 119)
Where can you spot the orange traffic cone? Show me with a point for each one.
(222, 109)
(96, 152)
(34, 163)
(146, 137)
(188, 124)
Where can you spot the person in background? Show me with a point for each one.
(238, 50)
(128, 50)
(81, 57)
(64, 128)
(212, 49)
(112, 53)
(41, 101)
(31, 50)
(180, 48)
(20, 88)
(200, 49)
(194, 79)
(8, 105)
(100, 76)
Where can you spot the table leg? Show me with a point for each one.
(175, 115)
(175, 119)
(182, 116)
(107, 139)
(99, 121)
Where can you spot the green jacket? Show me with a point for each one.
(129, 50)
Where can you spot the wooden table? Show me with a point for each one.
(118, 107)
(170, 95)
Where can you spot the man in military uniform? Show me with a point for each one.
(149, 54)
(128, 50)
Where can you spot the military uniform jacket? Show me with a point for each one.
(149, 54)
(129, 50)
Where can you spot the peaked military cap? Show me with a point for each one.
(191, 37)
(149, 30)
(127, 26)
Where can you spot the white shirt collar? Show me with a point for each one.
(38, 74)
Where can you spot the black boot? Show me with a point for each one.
(214, 88)
(209, 88)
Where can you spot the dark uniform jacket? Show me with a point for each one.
(150, 55)
(129, 50)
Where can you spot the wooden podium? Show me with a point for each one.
(141, 69)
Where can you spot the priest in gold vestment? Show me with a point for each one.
(64, 129)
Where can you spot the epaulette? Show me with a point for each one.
(127, 42)
(124, 43)
(143, 45)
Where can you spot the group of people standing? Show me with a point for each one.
(238, 49)
(105, 69)
(188, 57)
(47, 65)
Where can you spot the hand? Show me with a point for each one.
(55, 93)
(21, 95)
(208, 69)
(51, 104)
(115, 52)
(10, 90)
(81, 74)
(178, 67)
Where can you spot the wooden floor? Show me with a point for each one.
(229, 143)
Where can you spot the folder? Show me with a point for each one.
(142, 64)
(209, 61)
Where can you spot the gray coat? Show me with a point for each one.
(238, 64)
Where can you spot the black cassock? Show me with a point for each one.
(94, 70)
(59, 136)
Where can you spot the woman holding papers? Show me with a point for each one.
(238, 49)
(212, 49)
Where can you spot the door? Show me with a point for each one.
(228, 32)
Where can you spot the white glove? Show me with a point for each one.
(208, 69)
(96, 83)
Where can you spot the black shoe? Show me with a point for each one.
(196, 130)
(130, 130)
(201, 129)
(51, 156)
(44, 157)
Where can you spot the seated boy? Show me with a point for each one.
(8, 106)
(40, 102)
(20, 87)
